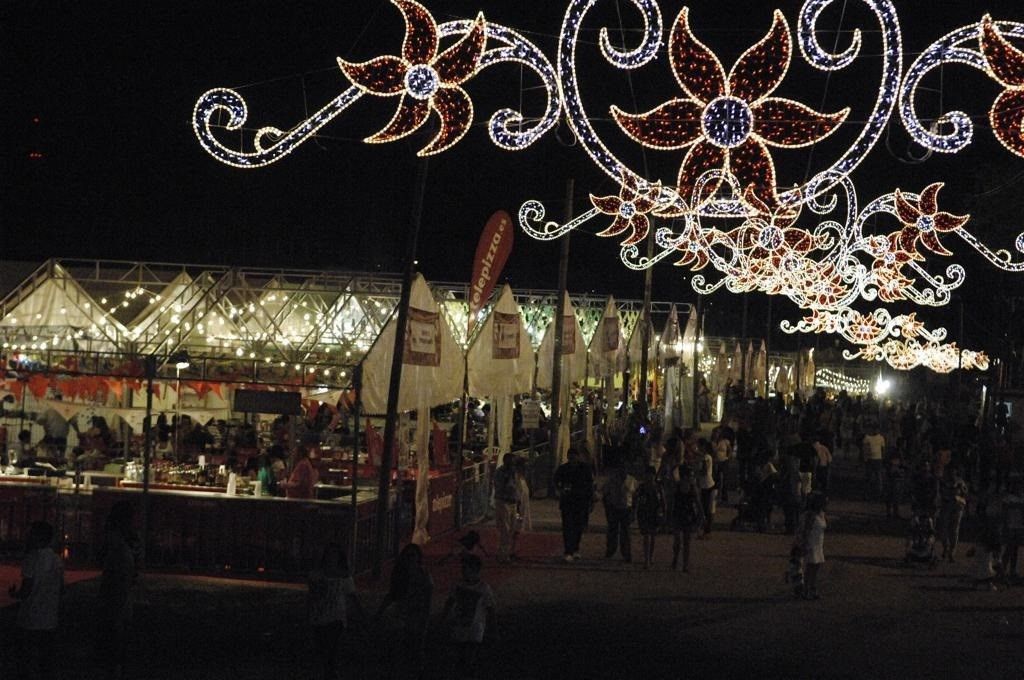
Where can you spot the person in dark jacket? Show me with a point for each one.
(574, 484)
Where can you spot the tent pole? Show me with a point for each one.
(556, 360)
(463, 421)
(147, 453)
(767, 346)
(743, 338)
(401, 322)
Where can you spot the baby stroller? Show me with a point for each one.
(921, 541)
(754, 511)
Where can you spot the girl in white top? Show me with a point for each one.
(811, 538)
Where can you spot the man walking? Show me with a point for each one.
(574, 483)
(617, 496)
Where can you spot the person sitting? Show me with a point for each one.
(24, 452)
(302, 481)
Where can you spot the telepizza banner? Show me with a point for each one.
(491, 255)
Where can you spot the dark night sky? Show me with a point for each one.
(123, 177)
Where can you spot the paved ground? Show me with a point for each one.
(731, 617)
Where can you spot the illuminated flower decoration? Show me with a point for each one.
(630, 208)
(924, 222)
(1006, 65)
(427, 81)
(729, 121)
(865, 328)
(695, 255)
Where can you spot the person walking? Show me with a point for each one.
(873, 451)
(331, 595)
(707, 484)
(649, 508)
(42, 587)
(952, 501)
(688, 516)
(506, 501)
(617, 498)
(811, 540)
(666, 476)
(574, 484)
(117, 587)
(469, 614)
(524, 518)
(410, 592)
(822, 470)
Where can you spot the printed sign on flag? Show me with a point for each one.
(492, 252)
(568, 335)
(506, 336)
(423, 338)
(610, 328)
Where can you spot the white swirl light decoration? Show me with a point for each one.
(958, 47)
(518, 50)
(892, 68)
(505, 127)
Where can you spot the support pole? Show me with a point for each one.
(147, 453)
(767, 347)
(357, 403)
(556, 362)
(645, 319)
(696, 360)
(401, 323)
(463, 420)
(743, 339)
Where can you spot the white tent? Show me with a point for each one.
(690, 337)
(636, 344)
(761, 368)
(501, 362)
(608, 346)
(736, 367)
(807, 375)
(720, 373)
(432, 373)
(670, 350)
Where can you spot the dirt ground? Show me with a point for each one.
(732, 616)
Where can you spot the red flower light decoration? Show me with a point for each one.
(1006, 66)
(426, 80)
(924, 223)
(630, 209)
(728, 121)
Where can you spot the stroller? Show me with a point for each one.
(921, 541)
(754, 511)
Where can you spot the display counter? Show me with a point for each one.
(215, 532)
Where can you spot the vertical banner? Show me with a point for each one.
(423, 338)
(506, 336)
(492, 252)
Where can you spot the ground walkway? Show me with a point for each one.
(730, 617)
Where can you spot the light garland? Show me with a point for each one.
(840, 382)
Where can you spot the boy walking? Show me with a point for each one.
(469, 610)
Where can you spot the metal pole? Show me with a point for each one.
(767, 346)
(960, 352)
(743, 340)
(401, 322)
(696, 376)
(147, 453)
(357, 385)
(556, 362)
(458, 444)
(645, 319)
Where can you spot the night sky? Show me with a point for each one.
(104, 92)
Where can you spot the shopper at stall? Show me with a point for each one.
(55, 431)
(410, 592)
(331, 595)
(42, 585)
(574, 484)
(302, 481)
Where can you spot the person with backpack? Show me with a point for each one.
(688, 516)
(649, 508)
(617, 497)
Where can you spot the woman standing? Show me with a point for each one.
(687, 517)
(811, 539)
(410, 593)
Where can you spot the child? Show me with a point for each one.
(811, 542)
(42, 585)
(469, 610)
(649, 506)
(331, 590)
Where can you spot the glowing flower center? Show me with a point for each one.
(889, 258)
(727, 122)
(926, 223)
(627, 209)
(694, 246)
(421, 81)
(770, 238)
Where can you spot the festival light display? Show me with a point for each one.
(726, 216)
